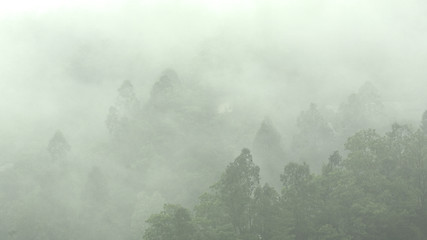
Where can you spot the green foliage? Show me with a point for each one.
(236, 189)
(265, 205)
(173, 223)
(213, 220)
(335, 162)
(295, 176)
(298, 199)
(378, 191)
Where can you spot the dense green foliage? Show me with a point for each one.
(378, 191)
(324, 179)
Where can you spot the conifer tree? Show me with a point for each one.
(58, 146)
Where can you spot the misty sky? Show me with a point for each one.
(61, 62)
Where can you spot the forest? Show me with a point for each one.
(370, 185)
(377, 190)
(177, 120)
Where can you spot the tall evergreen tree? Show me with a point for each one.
(363, 109)
(165, 92)
(58, 146)
(236, 189)
(123, 113)
(297, 200)
(315, 138)
(267, 148)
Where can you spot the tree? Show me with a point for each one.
(312, 123)
(236, 189)
(213, 220)
(314, 139)
(417, 160)
(335, 161)
(173, 223)
(127, 102)
(297, 200)
(146, 205)
(364, 148)
(295, 176)
(114, 123)
(238, 207)
(267, 147)
(165, 91)
(378, 192)
(121, 116)
(58, 146)
(266, 209)
(363, 109)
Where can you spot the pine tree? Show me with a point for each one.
(314, 140)
(363, 109)
(267, 148)
(164, 94)
(121, 117)
(58, 146)
(236, 190)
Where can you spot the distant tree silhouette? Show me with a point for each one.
(267, 149)
(58, 146)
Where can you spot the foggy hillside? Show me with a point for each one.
(212, 120)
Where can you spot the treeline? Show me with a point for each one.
(173, 145)
(197, 126)
(377, 191)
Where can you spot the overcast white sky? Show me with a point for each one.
(334, 45)
(17, 7)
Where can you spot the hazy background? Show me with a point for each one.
(61, 63)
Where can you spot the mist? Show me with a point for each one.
(110, 110)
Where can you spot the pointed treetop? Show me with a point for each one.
(126, 89)
(170, 74)
(242, 171)
(244, 156)
(267, 133)
(312, 120)
(168, 79)
(127, 103)
(58, 145)
(165, 87)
